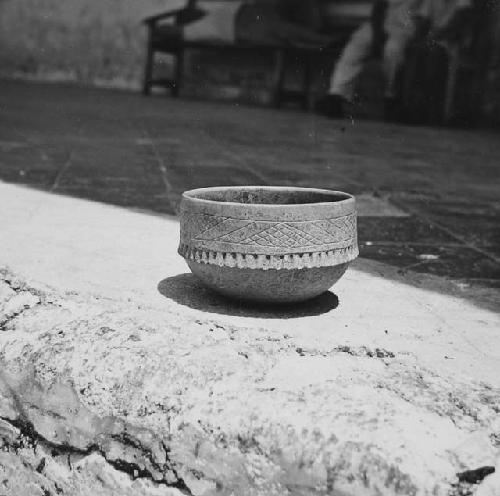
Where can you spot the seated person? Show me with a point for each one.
(294, 22)
(388, 33)
(394, 24)
(443, 21)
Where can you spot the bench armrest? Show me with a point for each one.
(181, 17)
(162, 15)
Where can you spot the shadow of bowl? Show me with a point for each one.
(187, 290)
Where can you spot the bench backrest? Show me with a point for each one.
(337, 13)
(347, 13)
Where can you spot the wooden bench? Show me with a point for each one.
(163, 37)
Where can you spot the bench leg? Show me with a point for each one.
(148, 70)
(178, 72)
(451, 83)
(279, 77)
(307, 82)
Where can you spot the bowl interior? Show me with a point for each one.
(268, 196)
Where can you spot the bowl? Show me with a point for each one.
(268, 244)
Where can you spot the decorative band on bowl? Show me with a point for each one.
(266, 262)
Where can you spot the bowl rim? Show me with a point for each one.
(190, 195)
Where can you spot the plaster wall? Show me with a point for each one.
(87, 41)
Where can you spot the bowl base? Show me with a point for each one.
(268, 286)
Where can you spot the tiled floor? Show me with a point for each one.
(127, 150)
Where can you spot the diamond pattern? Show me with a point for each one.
(277, 234)
(338, 229)
(207, 223)
(281, 235)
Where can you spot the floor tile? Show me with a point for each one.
(401, 230)
(454, 262)
(142, 153)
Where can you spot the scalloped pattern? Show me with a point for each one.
(266, 262)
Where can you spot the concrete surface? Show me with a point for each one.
(429, 198)
(121, 375)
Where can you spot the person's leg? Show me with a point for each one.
(395, 51)
(345, 73)
(394, 56)
(351, 62)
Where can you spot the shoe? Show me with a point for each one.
(332, 106)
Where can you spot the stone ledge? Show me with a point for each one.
(134, 400)
(107, 342)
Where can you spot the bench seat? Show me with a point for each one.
(165, 36)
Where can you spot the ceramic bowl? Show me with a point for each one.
(268, 244)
